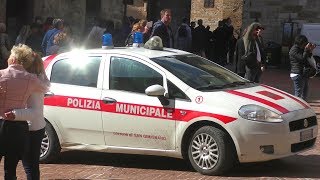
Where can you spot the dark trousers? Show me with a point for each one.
(10, 165)
(253, 74)
(30, 160)
(15, 142)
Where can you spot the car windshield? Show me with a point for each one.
(199, 73)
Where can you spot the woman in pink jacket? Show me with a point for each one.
(34, 114)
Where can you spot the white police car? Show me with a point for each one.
(169, 103)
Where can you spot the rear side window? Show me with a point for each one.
(131, 75)
(80, 72)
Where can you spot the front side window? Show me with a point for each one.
(76, 71)
(131, 75)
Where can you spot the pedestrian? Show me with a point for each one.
(183, 36)
(5, 46)
(17, 85)
(95, 36)
(61, 43)
(24, 33)
(220, 39)
(249, 58)
(145, 29)
(201, 39)
(162, 29)
(34, 114)
(298, 55)
(47, 41)
(135, 28)
(48, 24)
(35, 38)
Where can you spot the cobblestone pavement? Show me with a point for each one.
(91, 165)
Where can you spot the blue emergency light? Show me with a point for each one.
(107, 41)
(137, 39)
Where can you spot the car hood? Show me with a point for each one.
(262, 95)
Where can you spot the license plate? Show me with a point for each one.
(306, 135)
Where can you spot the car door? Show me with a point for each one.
(130, 117)
(73, 103)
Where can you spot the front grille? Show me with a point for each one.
(302, 145)
(301, 123)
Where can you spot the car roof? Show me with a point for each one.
(133, 51)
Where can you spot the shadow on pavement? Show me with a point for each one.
(122, 160)
(298, 166)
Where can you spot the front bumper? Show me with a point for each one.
(260, 141)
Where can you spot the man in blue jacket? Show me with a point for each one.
(162, 29)
(47, 41)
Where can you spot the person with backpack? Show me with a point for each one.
(183, 36)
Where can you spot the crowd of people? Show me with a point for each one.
(22, 76)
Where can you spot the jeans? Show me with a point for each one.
(301, 86)
(30, 160)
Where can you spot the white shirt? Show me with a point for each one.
(34, 111)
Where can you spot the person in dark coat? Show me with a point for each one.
(298, 55)
(35, 39)
(220, 37)
(162, 29)
(250, 57)
(201, 39)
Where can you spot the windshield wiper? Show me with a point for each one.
(236, 83)
(210, 87)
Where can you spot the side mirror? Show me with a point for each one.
(155, 90)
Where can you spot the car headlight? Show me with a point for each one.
(258, 113)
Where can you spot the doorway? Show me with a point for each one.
(19, 13)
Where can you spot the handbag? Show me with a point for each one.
(310, 70)
(250, 59)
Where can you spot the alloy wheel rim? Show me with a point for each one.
(44, 145)
(205, 151)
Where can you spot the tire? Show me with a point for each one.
(211, 151)
(50, 146)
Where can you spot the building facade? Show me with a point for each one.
(79, 14)
(277, 15)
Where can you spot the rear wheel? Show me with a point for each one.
(50, 146)
(211, 151)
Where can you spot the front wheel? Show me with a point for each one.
(50, 146)
(211, 151)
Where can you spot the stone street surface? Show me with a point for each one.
(91, 165)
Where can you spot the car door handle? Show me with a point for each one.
(107, 100)
(48, 94)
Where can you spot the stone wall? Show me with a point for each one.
(274, 13)
(112, 9)
(222, 9)
(72, 11)
(138, 10)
